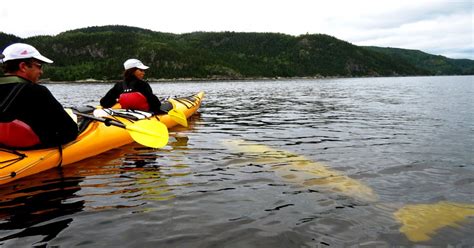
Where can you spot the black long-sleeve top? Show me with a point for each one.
(110, 99)
(36, 106)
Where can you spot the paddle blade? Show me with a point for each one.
(179, 117)
(151, 133)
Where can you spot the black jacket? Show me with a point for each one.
(110, 99)
(36, 106)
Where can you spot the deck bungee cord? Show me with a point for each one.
(8, 162)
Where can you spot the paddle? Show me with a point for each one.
(174, 113)
(179, 117)
(147, 132)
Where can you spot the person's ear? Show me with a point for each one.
(23, 66)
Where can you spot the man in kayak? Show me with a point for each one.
(133, 92)
(30, 116)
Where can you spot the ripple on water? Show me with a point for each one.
(408, 140)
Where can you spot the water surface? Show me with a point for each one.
(408, 140)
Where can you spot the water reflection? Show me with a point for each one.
(148, 181)
(38, 206)
(299, 170)
(349, 162)
(49, 231)
(419, 222)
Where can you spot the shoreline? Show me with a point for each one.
(215, 79)
(151, 80)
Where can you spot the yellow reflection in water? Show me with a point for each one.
(153, 186)
(300, 170)
(420, 221)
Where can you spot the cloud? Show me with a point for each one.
(434, 26)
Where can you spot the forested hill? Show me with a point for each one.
(99, 52)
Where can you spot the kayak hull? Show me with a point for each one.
(95, 139)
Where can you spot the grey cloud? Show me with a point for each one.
(413, 14)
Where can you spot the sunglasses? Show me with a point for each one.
(39, 65)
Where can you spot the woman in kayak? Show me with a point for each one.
(30, 116)
(133, 92)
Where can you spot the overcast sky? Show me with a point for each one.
(441, 27)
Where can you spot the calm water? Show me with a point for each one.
(409, 140)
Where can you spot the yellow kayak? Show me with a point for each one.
(96, 138)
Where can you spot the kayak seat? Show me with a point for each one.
(82, 123)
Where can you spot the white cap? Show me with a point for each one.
(23, 51)
(134, 63)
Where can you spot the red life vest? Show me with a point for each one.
(17, 134)
(134, 100)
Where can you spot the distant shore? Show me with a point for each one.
(154, 80)
(91, 80)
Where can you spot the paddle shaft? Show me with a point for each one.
(108, 122)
